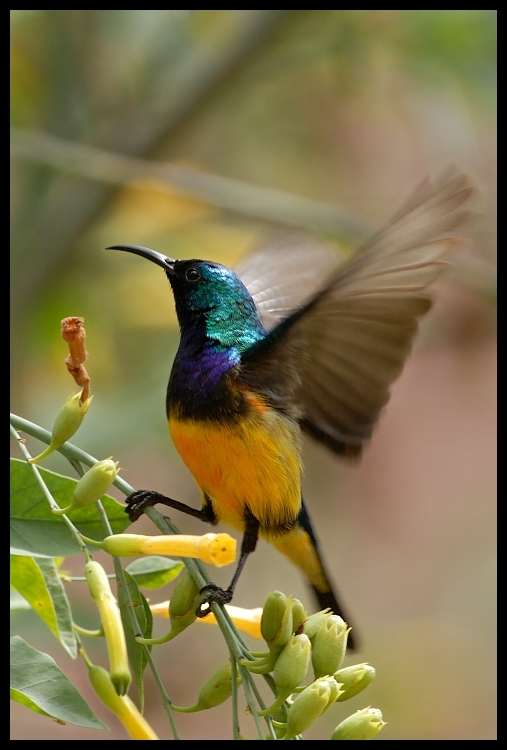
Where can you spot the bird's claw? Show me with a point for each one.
(216, 595)
(137, 503)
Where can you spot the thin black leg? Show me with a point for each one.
(139, 500)
(224, 596)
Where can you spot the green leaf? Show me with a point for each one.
(35, 530)
(154, 571)
(19, 697)
(39, 684)
(39, 583)
(137, 657)
(56, 590)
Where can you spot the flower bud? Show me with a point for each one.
(354, 679)
(216, 690)
(66, 424)
(292, 664)
(98, 583)
(285, 630)
(313, 624)
(298, 615)
(290, 669)
(92, 485)
(335, 691)
(126, 711)
(276, 629)
(273, 612)
(308, 706)
(363, 725)
(183, 604)
(182, 609)
(329, 646)
(282, 633)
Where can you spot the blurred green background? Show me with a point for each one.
(188, 131)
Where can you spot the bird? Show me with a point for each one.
(286, 346)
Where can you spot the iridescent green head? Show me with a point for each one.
(211, 294)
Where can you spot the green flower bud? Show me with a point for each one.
(100, 589)
(298, 615)
(290, 669)
(329, 646)
(216, 690)
(308, 706)
(183, 604)
(354, 679)
(273, 612)
(292, 664)
(276, 629)
(126, 711)
(92, 485)
(66, 424)
(363, 725)
(182, 608)
(335, 691)
(285, 630)
(313, 624)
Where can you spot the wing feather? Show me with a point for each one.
(346, 335)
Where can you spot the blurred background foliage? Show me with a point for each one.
(189, 131)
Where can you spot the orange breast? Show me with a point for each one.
(254, 463)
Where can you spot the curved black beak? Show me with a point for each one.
(160, 260)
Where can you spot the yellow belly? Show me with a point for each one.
(255, 464)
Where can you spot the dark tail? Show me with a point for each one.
(301, 547)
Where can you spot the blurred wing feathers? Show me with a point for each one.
(339, 354)
(285, 274)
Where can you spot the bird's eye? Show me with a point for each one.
(192, 274)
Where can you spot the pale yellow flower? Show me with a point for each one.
(246, 620)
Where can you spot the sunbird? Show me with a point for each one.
(294, 346)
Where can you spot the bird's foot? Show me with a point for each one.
(215, 595)
(138, 501)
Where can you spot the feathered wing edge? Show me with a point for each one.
(285, 273)
(338, 355)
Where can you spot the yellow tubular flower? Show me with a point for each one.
(246, 620)
(125, 709)
(98, 583)
(218, 549)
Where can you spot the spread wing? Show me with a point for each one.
(287, 272)
(337, 356)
